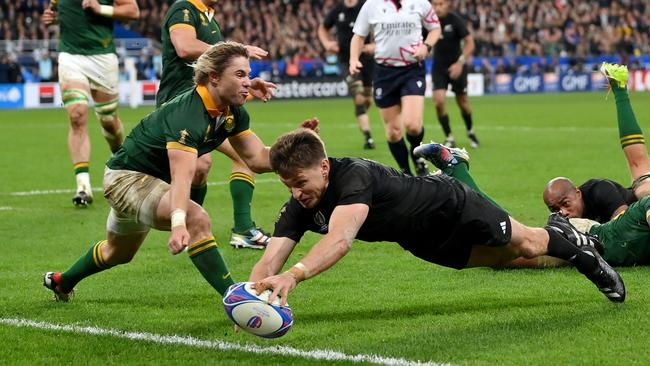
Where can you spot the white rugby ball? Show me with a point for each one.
(253, 313)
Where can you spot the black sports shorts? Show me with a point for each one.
(480, 222)
(441, 79)
(392, 83)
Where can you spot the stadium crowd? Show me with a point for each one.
(503, 29)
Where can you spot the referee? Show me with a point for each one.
(342, 17)
(449, 68)
(399, 76)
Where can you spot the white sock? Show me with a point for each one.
(83, 183)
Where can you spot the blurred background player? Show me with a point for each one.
(603, 199)
(147, 182)
(342, 17)
(399, 78)
(88, 66)
(189, 28)
(449, 67)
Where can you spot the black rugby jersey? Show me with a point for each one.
(448, 48)
(403, 209)
(602, 197)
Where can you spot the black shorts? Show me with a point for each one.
(441, 80)
(480, 222)
(392, 83)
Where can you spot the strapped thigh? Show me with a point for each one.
(72, 96)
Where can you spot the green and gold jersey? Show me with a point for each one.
(83, 32)
(177, 75)
(626, 238)
(189, 122)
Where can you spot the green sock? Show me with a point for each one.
(628, 128)
(207, 259)
(197, 193)
(461, 172)
(241, 189)
(89, 264)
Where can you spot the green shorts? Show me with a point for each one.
(627, 237)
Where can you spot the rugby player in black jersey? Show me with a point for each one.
(436, 218)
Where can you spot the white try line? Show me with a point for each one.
(316, 354)
(45, 192)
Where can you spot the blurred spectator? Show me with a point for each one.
(45, 67)
(13, 73)
(504, 28)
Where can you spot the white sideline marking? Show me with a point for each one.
(317, 354)
(44, 192)
(6, 208)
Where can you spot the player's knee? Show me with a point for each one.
(360, 109)
(393, 134)
(198, 222)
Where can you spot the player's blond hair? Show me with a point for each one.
(300, 149)
(216, 59)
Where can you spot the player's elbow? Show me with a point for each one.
(183, 52)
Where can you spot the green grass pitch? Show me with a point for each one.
(379, 300)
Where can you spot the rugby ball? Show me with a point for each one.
(253, 313)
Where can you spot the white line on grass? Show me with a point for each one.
(45, 192)
(6, 208)
(317, 354)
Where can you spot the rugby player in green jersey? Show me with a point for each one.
(147, 182)
(88, 67)
(188, 29)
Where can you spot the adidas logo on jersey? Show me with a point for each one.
(503, 226)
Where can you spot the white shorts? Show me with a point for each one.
(99, 72)
(134, 198)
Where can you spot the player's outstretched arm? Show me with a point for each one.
(253, 151)
(345, 222)
(275, 256)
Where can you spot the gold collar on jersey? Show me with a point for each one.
(209, 103)
(209, 12)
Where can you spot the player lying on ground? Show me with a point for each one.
(603, 199)
(436, 218)
(147, 182)
(625, 239)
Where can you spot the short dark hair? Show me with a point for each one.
(295, 150)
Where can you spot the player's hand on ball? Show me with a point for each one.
(262, 89)
(92, 5)
(256, 52)
(178, 240)
(355, 67)
(280, 285)
(311, 123)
